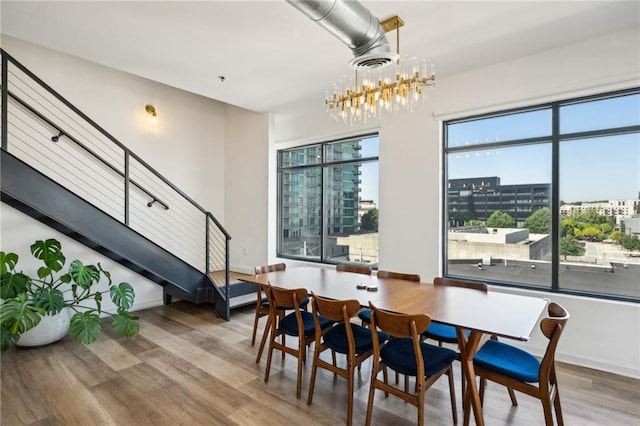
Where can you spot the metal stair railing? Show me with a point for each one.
(43, 129)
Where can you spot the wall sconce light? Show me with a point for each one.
(153, 115)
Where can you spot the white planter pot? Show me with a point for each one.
(50, 329)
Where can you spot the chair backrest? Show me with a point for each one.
(398, 325)
(365, 270)
(270, 268)
(283, 298)
(399, 276)
(459, 283)
(552, 327)
(335, 310)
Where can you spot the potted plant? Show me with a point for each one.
(27, 299)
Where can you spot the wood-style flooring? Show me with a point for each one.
(186, 367)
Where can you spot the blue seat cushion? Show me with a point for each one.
(336, 338)
(289, 324)
(365, 315)
(399, 356)
(442, 333)
(304, 303)
(509, 361)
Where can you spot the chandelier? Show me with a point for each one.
(371, 91)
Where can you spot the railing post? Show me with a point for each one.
(5, 99)
(126, 187)
(207, 267)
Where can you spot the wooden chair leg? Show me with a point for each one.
(512, 396)
(265, 336)
(452, 392)
(255, 328)
(556, 404)
(312, 381)
(350, 396)
(301, 350)
(372, 390)
(546, 408)
(420, 403)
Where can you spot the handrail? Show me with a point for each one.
(62, 132)
(107, 134)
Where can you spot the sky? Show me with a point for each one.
(602, 168)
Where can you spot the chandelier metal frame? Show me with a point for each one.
(373, 90)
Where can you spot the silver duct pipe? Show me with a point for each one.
(355, 26)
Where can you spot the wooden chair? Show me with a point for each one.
(298, 323)
(365, 270)
(365, 314)
(443, 333)
(519, 370)
(262, 306)
(405, 353)
(344, 337)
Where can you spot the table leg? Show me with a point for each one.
(468, 348)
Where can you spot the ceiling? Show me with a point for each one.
(271, 55)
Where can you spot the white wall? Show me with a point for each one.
(601, 334)
(246, 187)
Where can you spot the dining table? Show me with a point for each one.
(473, 313)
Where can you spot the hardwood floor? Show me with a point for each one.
(188, 367)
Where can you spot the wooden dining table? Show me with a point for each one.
(483, 313)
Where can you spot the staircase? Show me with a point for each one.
(60, 167)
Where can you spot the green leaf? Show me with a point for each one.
(66, 278)
(85, 326)
(7, 340)
(50, 252)
(84, 275)
(17, 316)
(8, 262)
(52, 300)
(13, 284)
(122, 295)
(125, 324)
(43, 271)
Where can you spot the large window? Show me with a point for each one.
(547, 197)
(328, 201)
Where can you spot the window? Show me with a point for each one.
(334, 186)
(547, 197)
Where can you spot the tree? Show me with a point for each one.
(369, 221)
(500, 219)
(539, 222)
(592, 233)
(570, 247)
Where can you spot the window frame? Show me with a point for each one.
(555, 138)
(323, 165)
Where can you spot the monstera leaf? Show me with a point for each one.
(122, 295)
(8, 262)
(17, 316)
(125, 324)
(13, 284)
(85, 326)
(49, 299)
(7, 340)
(84, 275)
(50, 252)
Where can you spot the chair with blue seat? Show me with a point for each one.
(443, 333)
(298, 323)
(344, 337)
(407, 354)
(517, 369)
(262, 306)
